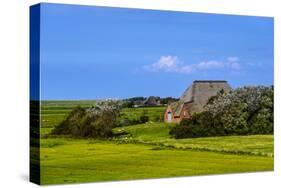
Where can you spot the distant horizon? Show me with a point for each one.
(116, 98)
(95, 53)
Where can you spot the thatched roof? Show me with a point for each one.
(152, 100)
(198, 95)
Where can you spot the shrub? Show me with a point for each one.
(261, 122)
(179, 131)
(72, 123)
(144, 119)
(200, 125)
(95, 122)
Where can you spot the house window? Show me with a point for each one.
(169, 116)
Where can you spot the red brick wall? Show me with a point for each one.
(184, 114)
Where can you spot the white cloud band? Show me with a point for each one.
(173, 64)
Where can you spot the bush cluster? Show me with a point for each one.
(246, 110)
(96, 122)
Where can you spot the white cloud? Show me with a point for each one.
(166, 64)
(210, 64)
(173, 64)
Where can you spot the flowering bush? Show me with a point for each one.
(96, 121)
(246, 110)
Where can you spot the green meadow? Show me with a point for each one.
(143, 151)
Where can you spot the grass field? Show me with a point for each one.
(144, 151)
(70, 160)
(158, 134)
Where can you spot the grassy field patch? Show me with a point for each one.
(85, 161)
(158, 134)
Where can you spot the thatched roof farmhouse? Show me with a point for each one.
(194, 98)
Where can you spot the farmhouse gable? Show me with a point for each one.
(194, 99)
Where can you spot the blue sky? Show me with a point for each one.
(96, 52)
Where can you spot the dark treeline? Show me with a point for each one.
(140, 101)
